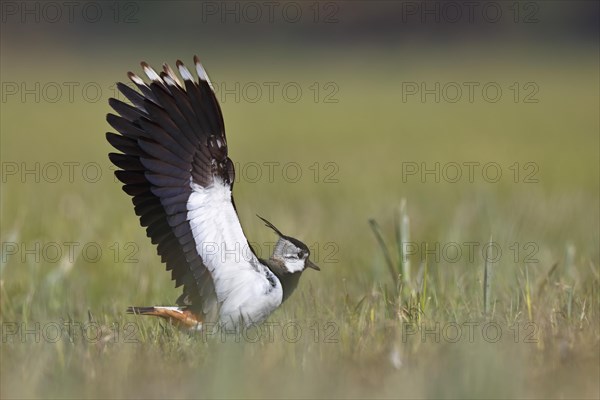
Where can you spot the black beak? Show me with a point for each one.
(310, 264)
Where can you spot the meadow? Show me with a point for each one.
(397, 195)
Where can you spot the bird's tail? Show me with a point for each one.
(178, 316)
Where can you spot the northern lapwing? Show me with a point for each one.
(174, 165)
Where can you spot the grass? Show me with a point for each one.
(393, 314)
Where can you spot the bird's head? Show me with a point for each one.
(290, 254)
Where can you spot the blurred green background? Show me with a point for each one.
(359, 121)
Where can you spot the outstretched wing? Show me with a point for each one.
(174, 164)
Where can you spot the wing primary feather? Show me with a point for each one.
(134, 97)
(125, 110)
(135, 190)
(202, 75)
(124, 126)
(126, 162)
(139, 82)
(169, 71)
(131, 177)
(124, 144)
(150, 73)
(184, 72)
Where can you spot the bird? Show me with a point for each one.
(173, 162)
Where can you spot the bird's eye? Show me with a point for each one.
(300, 254)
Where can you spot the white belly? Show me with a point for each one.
(249, 304)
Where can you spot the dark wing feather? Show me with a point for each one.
(172, 134)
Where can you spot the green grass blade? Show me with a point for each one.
(404, 240)
(487, 280)
(386, 254)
